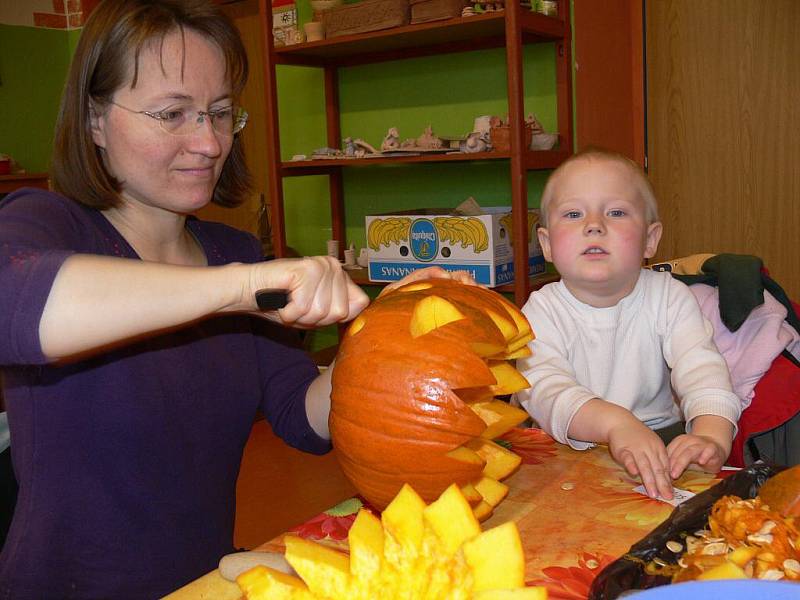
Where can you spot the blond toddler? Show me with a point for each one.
(622, 355)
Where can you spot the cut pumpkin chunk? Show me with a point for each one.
(366, 541)
(325, 571)
(431, 313)
(452, 520)
(523, 352)
(484, 349)
(403, 518)
(509, 380)
(506, 327)
(466, 455)
(496, 559)
(726, 570)
(519, 342)
(264, 583)
(455, 561)
(500, 463)
(491, 490)
(482, 510)
(471, 495)
(499, 417)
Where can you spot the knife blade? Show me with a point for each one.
(272, 299)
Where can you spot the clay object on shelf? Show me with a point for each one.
(391, 141)
(357, 148)
(427, 142)
(476, 141)
(499, 134)
(540, 139)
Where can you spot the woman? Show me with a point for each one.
(129, 406)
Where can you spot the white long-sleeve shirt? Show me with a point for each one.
(634, 354)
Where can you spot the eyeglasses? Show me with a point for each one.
(226, 121)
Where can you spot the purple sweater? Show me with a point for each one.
(127, 461)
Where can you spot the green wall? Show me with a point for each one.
(33, 65)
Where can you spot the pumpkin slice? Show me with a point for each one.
(509, 380)
(496, 559)
(500, 463)
(483, 510)
(454, 560)
(491, 490)
(325, 571)
(452, 520)
(499, 417)
(471, 494)
(264, 583)
(366, 541)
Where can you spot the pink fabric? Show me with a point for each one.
(750, 350)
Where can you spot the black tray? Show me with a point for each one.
(628, 573)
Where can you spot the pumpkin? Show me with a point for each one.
(435, 551)
(414, 388)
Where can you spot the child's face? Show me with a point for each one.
(597, 233)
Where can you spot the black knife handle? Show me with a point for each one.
(271, 299)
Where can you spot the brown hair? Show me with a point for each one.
(113, 37)
(646, 192)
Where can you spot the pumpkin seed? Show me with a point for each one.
(674, 546)
(772, 575)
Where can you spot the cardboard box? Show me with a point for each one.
(400, 243)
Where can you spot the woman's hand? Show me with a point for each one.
(430, 273)
(320, 291)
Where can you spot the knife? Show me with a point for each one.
(272, 299)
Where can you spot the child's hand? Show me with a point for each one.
(637, 448)
(708, 446)
(689, 449)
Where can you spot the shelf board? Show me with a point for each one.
(422, 39)
(534, 159)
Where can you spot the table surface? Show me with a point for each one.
(576, 513)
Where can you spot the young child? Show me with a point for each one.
(622, 355)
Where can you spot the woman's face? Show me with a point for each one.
(158, 169)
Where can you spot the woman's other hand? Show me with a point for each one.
(430, 273)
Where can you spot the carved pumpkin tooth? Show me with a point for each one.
(357, 325)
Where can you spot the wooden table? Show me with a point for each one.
(576, 513)
(14, 181)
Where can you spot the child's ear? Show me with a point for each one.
(97, 123)
(654, 231)
(544, 242)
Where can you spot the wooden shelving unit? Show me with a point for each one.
(510, 28)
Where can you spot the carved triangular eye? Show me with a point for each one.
(431, 313)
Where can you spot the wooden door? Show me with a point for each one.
(723, 123)
(253, 215)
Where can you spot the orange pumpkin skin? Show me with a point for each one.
(394, 414)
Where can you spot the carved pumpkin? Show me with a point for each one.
(413, 393)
